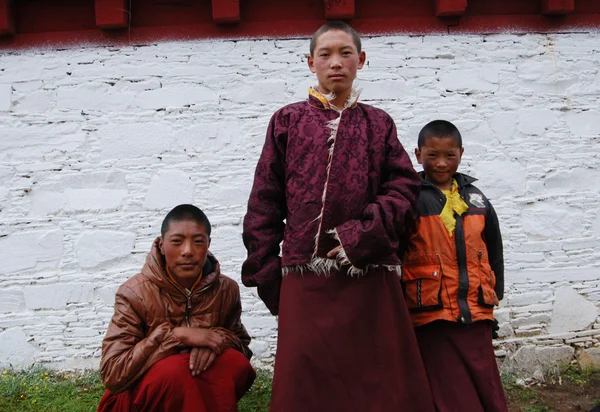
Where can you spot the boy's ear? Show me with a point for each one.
(362, 58)
(311, 63)
(160, 245)
(462, 150)
(418, 155)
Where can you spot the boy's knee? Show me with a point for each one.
(170, 371)
(234, 361)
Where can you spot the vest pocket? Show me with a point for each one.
(487, 295)
(422, 288)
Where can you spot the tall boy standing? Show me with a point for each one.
(453, 276)
(334, 171)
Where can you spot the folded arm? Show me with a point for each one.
(390, 217)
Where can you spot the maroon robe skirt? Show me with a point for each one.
(169, 386)
(347, 344)
(461, 366)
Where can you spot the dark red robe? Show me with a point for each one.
(346, 342)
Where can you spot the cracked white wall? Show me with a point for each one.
(97, 143)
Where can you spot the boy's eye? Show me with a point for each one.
(323, 55)
(199, 242)
(176, 241)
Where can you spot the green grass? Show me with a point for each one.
(44, 390)
(523, 393)
(40, 389)
(259, 396)
(579, 376)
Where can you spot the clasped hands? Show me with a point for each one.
(205, 344)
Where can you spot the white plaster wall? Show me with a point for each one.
(98, 143)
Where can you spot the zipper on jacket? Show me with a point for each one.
(187, 310)
(188, 306)
(463, 274)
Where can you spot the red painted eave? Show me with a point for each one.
(63, 23)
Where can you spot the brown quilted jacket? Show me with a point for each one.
(147, 308)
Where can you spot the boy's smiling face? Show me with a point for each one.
(185, 248)
(335, 62)
(440, 157)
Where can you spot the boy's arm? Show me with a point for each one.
(493, 241)
(127, 353)
(234, 332)
(263, 223)
(391, 217)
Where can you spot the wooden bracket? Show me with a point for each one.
(112, 14)
(558, 7)
(7, 21)
(339, 9)
(450, 8)
(226, 11)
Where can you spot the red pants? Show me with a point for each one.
(170, 386)
(461, 366)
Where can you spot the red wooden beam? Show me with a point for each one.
(112, 14)
(7, 22)
(558, 6)
(226, 11)
(339, 9)
(444, 8)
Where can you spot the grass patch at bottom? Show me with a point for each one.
(45, 390)
(40, 389)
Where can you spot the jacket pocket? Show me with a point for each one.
(487, 295)
(422, 288)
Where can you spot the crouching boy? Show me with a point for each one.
(176, 341)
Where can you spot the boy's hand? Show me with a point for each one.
(495, 329)
(201, 359)
(333, 252)
(201, 337)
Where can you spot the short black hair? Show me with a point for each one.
(335, 25)
(439, 128)
(183, 213)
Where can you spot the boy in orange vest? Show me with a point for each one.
(453, 276)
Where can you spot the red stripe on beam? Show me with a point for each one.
(226, 11)
(7, 22)
(450, 7)
(558, 6)
(111, 14)
(339, 9)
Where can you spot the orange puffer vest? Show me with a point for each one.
(458, 278)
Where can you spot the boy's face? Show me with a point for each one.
(440, 157)
(335, 62)
(185, 247)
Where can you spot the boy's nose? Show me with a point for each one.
(187, 249)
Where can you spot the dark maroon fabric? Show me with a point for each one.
(347, 344)
(169, 386)
(370, 199)
(461, 366)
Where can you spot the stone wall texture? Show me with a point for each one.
(98, 143)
